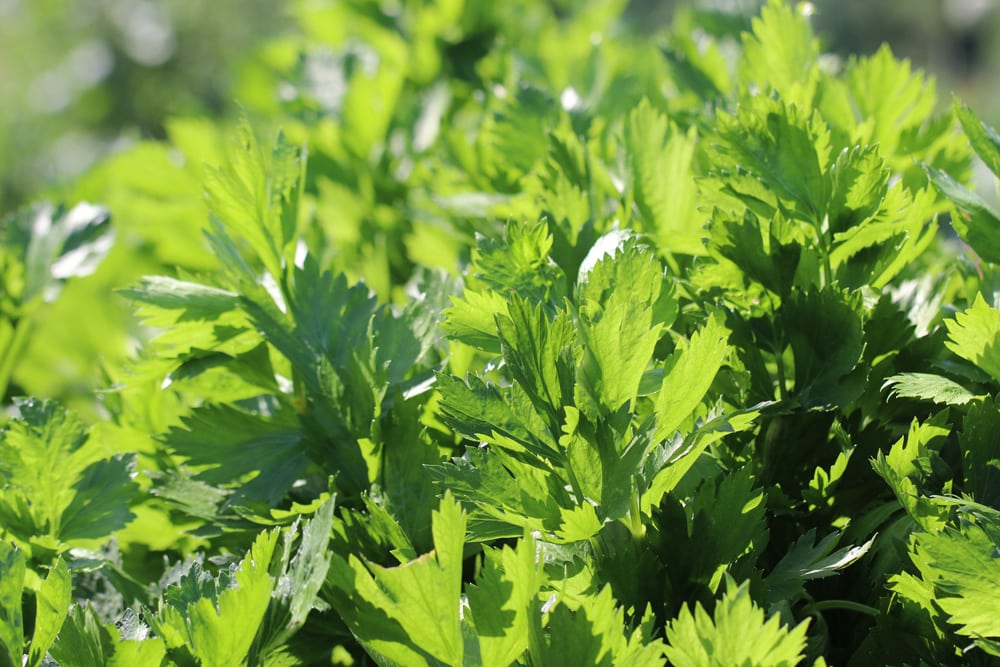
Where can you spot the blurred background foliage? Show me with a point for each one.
(80, 79)
(89, 88)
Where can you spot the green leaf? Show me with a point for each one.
(502, 490)
(255, 197)
(304, 575)
(891, 102)
(727, 522)
(58, 482)
(408, 614)
(594, 634)
(130, 653)
(12, 570)
(539, 356)
(472, 319)
(976, 220)
(752, 244)
(195, 301)
(985, 140)
(859, 184)
(909, 466)
(662, 177)
(221, 632)
(807, 560)
(84, 640)
(501, 601)
(520, 263)
(826, 332)
(781, 53)
(296, 590)
(974, 335)
(928, 387)
(781, 146)
(56, 245)
(224, 445)
(501, 416)
(691, 371)
(666, 466)
(618, 329)
(965, 573)
(52, 606)
(101, 503)
(981, 451)
(697, 640)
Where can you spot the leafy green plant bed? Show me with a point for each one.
(529, 338)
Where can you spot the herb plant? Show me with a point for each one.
(526, 339)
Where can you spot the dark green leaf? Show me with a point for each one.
(928, 387)
(52, 605)
(977, 220)
(12, 570)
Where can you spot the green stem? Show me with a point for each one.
(779, 351)
(574, 483)
(635, 518)
(12, 352)
(847, 605)
(782, 387)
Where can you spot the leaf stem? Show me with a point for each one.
(635, 517)
(12, 350)
(846, 605)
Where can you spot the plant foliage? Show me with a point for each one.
(526, 339)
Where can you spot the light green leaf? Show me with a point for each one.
(472, 319)
(890, 100)
(698, 640)
(195, 301)
(130, 653)
(690, 373)
(408, 614)
(965, 573)
(807, 560)
(666, 466)
(784, 148)
(974, 335)
(520, 263)
(84, 640)
(618, 329)
(859, 183)
(595, 634)
(908, 466)
(297, 587)
(54, 246)
(52, 605)
(928, 387)
(221, 632)
(977, 220)
(58, 482)
(985, 140)
(500, 602)
(781, 53)
(662, 177)
(255, 197)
